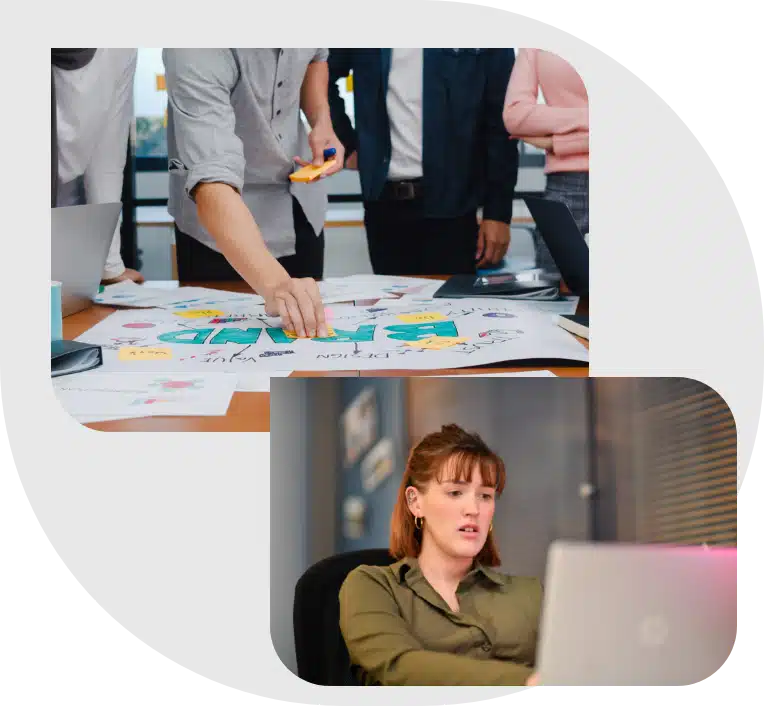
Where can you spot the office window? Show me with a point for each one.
(345, 86)
(689, 472)
(149, 138)
(664, 462)
(150, 134)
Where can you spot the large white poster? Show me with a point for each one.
(437, 335)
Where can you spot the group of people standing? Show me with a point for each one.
(435, 142)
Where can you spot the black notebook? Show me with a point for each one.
(502, 286)
(67, 357)
(577, 324)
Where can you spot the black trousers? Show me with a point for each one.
(198, 263)
(403, 242)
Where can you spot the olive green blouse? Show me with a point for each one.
(400, 631)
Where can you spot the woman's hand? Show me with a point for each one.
(533, 680)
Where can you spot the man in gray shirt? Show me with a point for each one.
(234, 135)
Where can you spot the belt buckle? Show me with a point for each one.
(406, 190)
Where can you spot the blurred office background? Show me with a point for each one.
(147, 230)
(614, 459)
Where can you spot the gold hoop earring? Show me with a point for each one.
(418, 522)
(490, 528)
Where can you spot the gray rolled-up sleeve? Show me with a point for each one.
(199, 84)
(321, 55)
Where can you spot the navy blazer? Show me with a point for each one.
(468, 159)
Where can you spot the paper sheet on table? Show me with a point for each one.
(385, 280)
(367, 338)
(201, 298)
(333, 290)
(245, 383)
(259, 382)
(411, 300)
(107, 418)
(130, 294)
(107, 395)
(565, 305)
(391, 287)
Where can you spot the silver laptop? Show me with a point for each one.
(636, 615)
(80, 237)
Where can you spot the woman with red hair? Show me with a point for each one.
(442, 615)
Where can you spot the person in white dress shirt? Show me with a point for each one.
(93, 104)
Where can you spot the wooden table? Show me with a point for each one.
(250, 411)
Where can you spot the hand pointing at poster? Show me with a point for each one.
(298, 303)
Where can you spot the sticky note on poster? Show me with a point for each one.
(424, 318)
(199, 313)
(292, 334)
(137, 353)
(437, 343)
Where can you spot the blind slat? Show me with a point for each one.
(689, 469)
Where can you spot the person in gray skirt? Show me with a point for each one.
(559, 125)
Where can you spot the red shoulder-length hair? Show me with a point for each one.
(458, 453)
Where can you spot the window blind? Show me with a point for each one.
(687, 473)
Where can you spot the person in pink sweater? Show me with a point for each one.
(559, 126)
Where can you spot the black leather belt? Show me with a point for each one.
(404, 190)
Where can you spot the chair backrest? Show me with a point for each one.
(322, 657)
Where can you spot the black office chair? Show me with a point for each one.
(322, 657)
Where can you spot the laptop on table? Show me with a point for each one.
(565, 241)
(567, 246)
(80, 237)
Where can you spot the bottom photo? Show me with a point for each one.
(492, 530)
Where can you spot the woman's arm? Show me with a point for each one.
(572, 143)
(561, 145)
(380, 641)
(524, 115)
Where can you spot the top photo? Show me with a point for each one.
(220, 217)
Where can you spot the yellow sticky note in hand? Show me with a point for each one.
(423, 318)
(436, 343)
(292, 334)
(199, 313)
(311, 172)
(137, 353)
